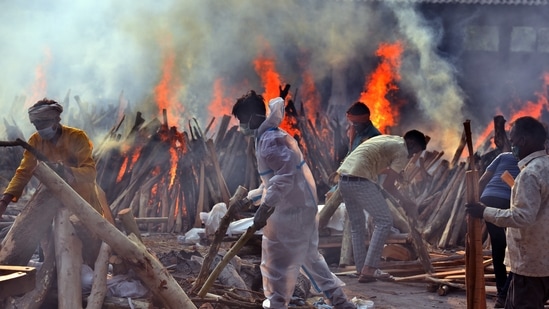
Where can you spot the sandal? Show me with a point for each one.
(377, 275)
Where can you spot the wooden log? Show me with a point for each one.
(99, 285)
(29, 227)
(417, 240)
(222, 130)
(44, 280)
(441, 214)
(451, 225)
(129, 223)
(127, 303)
(164, 205)
(476, 293)
(16, 280)
(329, 209)
(459, 150)
(220, 179)
(239, 194)
(68, 262)
(500, 136)
(145, 265)
(200, 203)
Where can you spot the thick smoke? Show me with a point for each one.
(432, 78)
(99, 50)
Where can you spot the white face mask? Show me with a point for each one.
(245, 129)
(47, 133)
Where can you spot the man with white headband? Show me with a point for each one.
(68, 148)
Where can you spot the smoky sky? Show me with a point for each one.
(111, 51)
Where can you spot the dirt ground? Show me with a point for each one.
(385, 295)
(389, 295)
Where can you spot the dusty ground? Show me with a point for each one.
(391, 295)
(385, 295)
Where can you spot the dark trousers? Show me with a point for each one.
(499, 243)
(527, 292)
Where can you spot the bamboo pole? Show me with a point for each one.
(476, 293)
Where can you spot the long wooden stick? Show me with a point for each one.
(239, 194)
(474, 270)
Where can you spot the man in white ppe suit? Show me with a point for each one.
(290, 233)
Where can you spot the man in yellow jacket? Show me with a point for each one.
(68, 149)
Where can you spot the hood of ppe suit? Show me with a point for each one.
(287, 180)
(276, 114)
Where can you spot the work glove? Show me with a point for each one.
(242, 204)
(4, 202)
(261, 215)
(475, 210)
(283, 92)
(63, 171)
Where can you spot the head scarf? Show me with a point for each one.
(45, 111)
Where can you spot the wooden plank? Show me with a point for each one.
(16, 280)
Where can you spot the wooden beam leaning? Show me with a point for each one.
(153, 274)
(474, 270)
(29, 227)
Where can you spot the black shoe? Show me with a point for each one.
(500, 302)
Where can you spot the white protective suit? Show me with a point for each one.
(290, 238)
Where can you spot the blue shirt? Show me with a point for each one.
(496, 187)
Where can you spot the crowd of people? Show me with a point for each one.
(516, 215)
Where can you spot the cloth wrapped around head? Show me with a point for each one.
(358, 113)
(44, 110)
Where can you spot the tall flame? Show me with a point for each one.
(378, 85)
(40, 85)
(167, 89)
(270, 78)
(266, 69)
(310, 97)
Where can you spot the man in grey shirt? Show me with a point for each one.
(527, 218)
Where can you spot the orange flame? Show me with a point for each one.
(311, 97)
(122, 170)
(173, 165)
(40, 85)
(167, 89)
(380, 83)
(266, 69)
(532, 109)
(220, 105)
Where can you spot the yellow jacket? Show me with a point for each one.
(74, 150)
